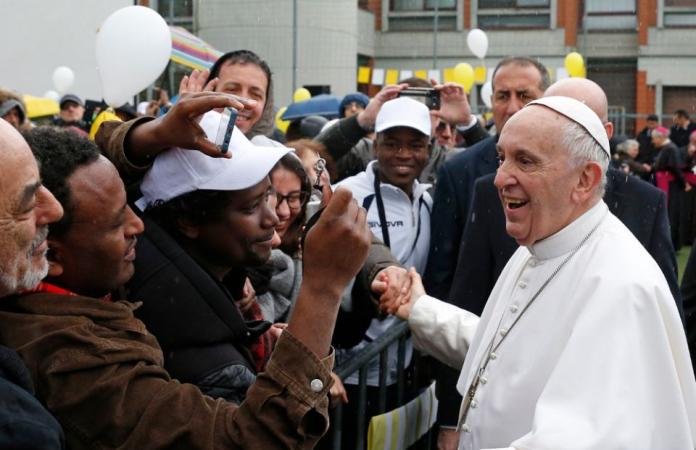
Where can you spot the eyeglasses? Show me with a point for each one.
(396, 147)
(295, 199)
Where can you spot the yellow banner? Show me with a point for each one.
(363, 75)
(422, 74)
(392, 76)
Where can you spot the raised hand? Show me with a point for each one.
(454, 104)
(367, 118)
(180, 128)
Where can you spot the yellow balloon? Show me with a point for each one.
(574, 64)
(300, 95)
(103, 116)
(464, 75)
(281, 124)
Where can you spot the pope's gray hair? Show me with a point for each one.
(583, 148)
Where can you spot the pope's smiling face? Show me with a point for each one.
(536, 178)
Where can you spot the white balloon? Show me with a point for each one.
(53, 95)
(63, 79)
(133, 48)
(486, 93)
(477, 42)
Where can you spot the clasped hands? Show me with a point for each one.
(398, 290)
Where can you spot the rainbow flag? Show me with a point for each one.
(191, 51)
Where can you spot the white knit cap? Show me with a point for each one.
(579, 113)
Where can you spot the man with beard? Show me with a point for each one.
(26, 209)
(100, 370)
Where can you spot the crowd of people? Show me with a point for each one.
(666, 158)
(159, 291)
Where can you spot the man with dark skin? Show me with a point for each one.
(112, 389)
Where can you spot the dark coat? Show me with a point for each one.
(203, 335)
(24, 423)
(451, 203)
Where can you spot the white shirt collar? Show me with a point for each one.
(569, 237)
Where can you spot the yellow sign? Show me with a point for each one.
(363, 75)
(392, 76)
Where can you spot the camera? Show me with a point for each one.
(428, 96)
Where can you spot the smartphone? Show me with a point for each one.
(225, 129)
(428, 96)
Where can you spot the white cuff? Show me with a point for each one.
(468, 126)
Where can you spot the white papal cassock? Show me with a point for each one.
(598, 361)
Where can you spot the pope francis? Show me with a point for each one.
(580, 345)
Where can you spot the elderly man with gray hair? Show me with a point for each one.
(580, 344)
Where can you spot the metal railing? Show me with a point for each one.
(359, 363)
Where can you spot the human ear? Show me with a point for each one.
(188, 229)
(588, 181)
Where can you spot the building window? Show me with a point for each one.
(419, 15)
(517, 14)
(614, 15)
(179, 13)
(422, 5)
(679, 13)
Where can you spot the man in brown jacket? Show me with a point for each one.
(98, 369)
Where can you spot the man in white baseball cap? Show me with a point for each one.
(580, 344)
(398, 212)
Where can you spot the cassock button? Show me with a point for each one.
(474, 404)
(483, 380)
(522, 285)
(316, 385)
(503, 331)
(514, 308)
(493, 356)
(466, 428)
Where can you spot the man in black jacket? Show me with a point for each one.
(681, 130)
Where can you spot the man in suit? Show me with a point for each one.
(486, 247)
(516, 82)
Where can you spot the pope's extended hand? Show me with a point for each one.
(402, 307)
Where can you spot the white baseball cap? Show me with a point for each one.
(178, 171)
(403, 112)
(579, 113)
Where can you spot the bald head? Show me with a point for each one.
(11, 142)
(588, 92)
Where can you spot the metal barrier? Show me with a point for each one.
(378, 348)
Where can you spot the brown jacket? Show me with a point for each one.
(99, 371)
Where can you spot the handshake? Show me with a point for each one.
(398, 289)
